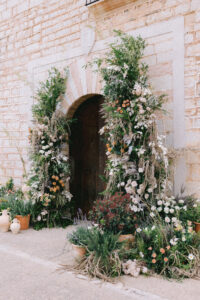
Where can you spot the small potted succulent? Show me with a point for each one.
(115, 215)
(78, 239)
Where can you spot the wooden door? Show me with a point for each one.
(87, 153)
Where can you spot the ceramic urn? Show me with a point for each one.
(4, 221)
(15, 226)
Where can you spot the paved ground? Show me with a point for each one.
(29, 265)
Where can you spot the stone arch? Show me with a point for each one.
(82, 84)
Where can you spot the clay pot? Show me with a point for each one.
(15, 226)
(4, 221)
(197, 227)
(128, 239)
(79, 250)
(24, 221)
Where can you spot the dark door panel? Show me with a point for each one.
(87, 152)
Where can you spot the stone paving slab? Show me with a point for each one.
(29, 265)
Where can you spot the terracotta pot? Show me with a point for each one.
(80, 251)
(126, 237)
(24, 221)
(197, 227)
(4, 221)
(128, 240)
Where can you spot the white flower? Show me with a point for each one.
(167, 220)
(160, 202)
(174, 219)
(39, 218)
(141, 170)
(152, 214)
(153, 227)
(183, 238)
(141, 254)
(150, 190)
(173, 241)
(153, 208)
(194, 205)
(146, 196)
(134, 208)
(185, 207)
(122, 184)
(138, 230)
(159, 209)
(191, 256)
(134, 184)
(171, 210)
(181, 201)
(166, 210)
(144, 270)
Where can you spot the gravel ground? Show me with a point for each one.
(30, 270)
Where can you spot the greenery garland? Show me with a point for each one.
(50, 170)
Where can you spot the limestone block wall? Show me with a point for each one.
(36, 34)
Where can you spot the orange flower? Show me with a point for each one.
(123, 105)
(150, 248)
(121, 111)
(55, 190)
(166, 259)
(154, 255)
(109, 149)
(122, 150)
(168, 247)
(57, 187)
(63, 185)
(153, 261)
(54, 183)
(117, 101)
(162, 250)
(56, 178)
(51, 189)
(114, 143)
(61, 181)
(107, 145)
(53, 177)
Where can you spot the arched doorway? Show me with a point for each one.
(87, 154)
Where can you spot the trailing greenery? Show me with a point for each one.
(50, 170)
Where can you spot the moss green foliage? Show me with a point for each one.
(50, 170)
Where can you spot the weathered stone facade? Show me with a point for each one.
(38, 34)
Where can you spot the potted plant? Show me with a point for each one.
(78, 239)
(114, 215)
(21, 210)
(192, 214)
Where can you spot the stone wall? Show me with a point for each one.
(35, 35)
